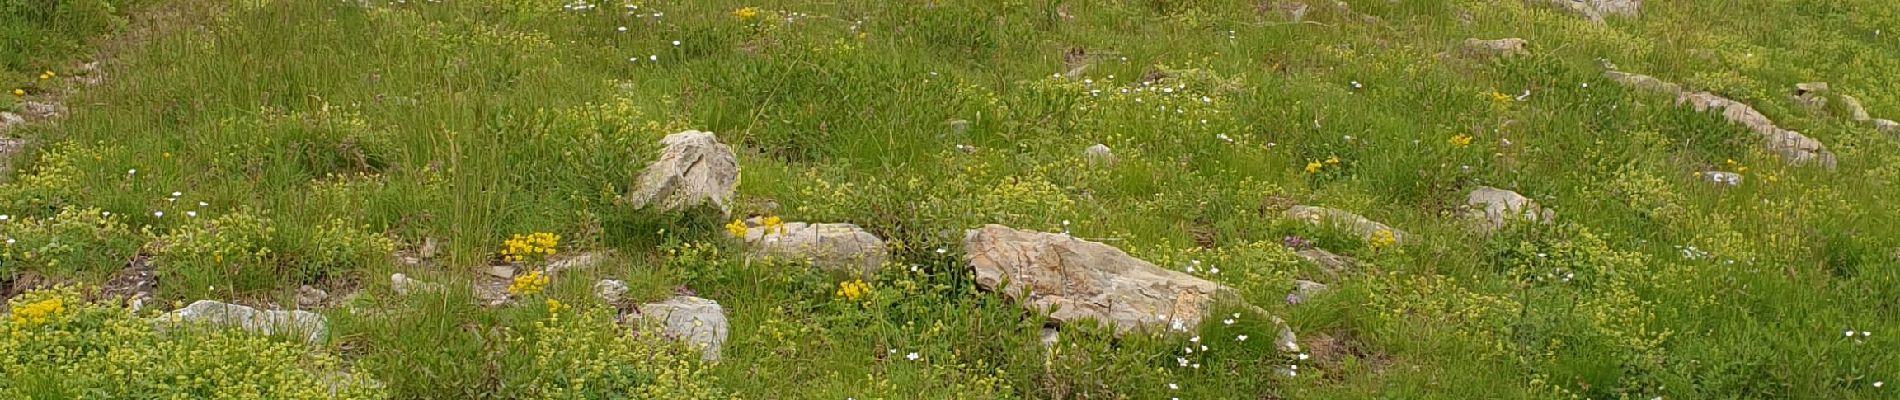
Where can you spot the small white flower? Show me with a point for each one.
(622, 29)
(1242, 338)
(1213, 270)
(913, 356)
(1876, 383)
(1866, 333)
(1196, 339)
(676, 43)
(1174, 387)
(1189, 350)
(9, 240)
(193, 214)
(158, 214)
(1229, 321)
(105, 213)
(1205, 99)
(941, 250)
(1203, 348)
(1355, 85)
(1195, 366)
(1303, 356)
(655, 57)
(132, 172)
(1848, 333)
(1181, 360)
(4, 217)
(177, 194)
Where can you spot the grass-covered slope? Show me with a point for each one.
(269, 145)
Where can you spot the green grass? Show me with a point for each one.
(323, 134)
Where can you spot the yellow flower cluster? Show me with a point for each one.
(853, 290)
(772, 225)
(529, 284)
(1383, 238)
(1313, 167)
(746, 13)
(1459, 140)
(540, 244)
(555, 306)
(39, 312)
(47, 75)
(1497, 98)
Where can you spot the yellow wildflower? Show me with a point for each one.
(555, 306)
(39, 312)
(19, 92)
(522, 247)
(736, 228)
(1498, 98)
(47, 75)
(1313, 167)
(1460, 140)
(1332, 160)
(774, 224)
(528, 284)
(746, 13)
(853, 290)
(1383, 238)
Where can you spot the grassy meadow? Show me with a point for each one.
(253, 147)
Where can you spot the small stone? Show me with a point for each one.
(1050, 337)
(1722, 177)
(1497, 207)
(404, 285)
(311, 297)
(1812, 95)
(1854, 108)
(610, 291)
(1099, 155)
(303, 324)
(1304, 290)
(1286, 341)
(505, 271)
(1332, 263)
(825, 245)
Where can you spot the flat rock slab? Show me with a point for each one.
(1596, 10)
(1074, 279)
(306, 325)
(1333, 264)
(694, 168)
(1793, 147)
(701, 323)
(1360, 226)
(1483, 48)
(825, 245)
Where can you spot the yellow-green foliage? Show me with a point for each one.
(55, 345)
(580, 353)
(75, 240)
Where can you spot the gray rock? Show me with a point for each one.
(404, 285)
(504, 271)
(573, 261)
(1292, 10)
(1596, 10)
(1793, 147)
(1304, 290)
(1812, 95)
(1481, 48)
(306, 325)
(824, 245)
(1099, 155)
(41, 109)
(1051, 337)
(610, 291)
(1497, 207)
(1887, 125)
(693, 169)
(1854, 108)
(311, 297)
(1074, 279)
(1286, 341)
(1353, 223)
(701, 323)
(1332, 263)
(1721, 177)
(9, 120)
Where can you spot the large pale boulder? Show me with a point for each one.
(694, 169)
(1495, 207)
(1353, 223)
(1074, 279)
(305, 325)
(825, 245)
(1854, 109)
(701, 323)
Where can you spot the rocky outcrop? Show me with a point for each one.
(1371, 231)
(1074, 279)
(1494, 208)
(610, 291)
(824, 245)
(701, 323)
(305, 325)
(694, 169)
(1793, 147)
(1304, 290)
(1333, 264)
(1812, 95)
